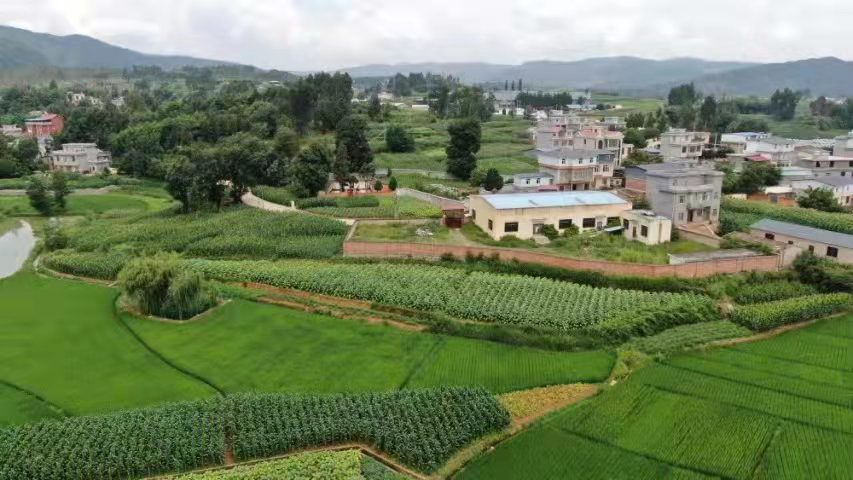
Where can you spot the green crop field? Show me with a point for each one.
(62, 341)
(504, 141)
(780, 408)
(82, 204)
(248, 346)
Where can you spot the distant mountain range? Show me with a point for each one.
(627, 75)
(630, 75)
(23, 48)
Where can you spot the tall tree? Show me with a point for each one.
(819, 199)
(352, 133)
(519, 85)
(783, 104)
(374, 107)
(684, 94)
(465, 137)
(302, 101)
(708, 113)
(38, 195)
(59, 187)
(493, 180)
(341, 166)
(309, 171)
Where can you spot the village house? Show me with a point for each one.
(647, 227)
(779, 151)
(686, 192)
(680, 144)
(11, 131)
(532, 181)
(841, 188)
(44, 125)
(737, 141)
(80, 158)
(572, 169)
(505, 101)
(523, 215)
(822, 164)
(822, 243)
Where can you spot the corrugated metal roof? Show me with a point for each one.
(805, 233)
(552, 199)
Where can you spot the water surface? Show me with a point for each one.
(15, 248)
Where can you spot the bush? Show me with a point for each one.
(549, 231)
(100, 265)
(651, 319)
(159, 286)
(399, 140)
(377, 186)
(54, 236)
(687, 336)
(422, 428)
(764, 316)
(823, 274)
(392, 184)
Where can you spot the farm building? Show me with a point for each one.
(822, 243)
(645, 226)
(524, 214)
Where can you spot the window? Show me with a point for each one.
(580, 161)
(474, 214)
(565, 223)
(527, 181)
(831, 164)
(790, 242)
(681, 217)
(832, 252)
(704, 196)
(588, 222)
(811, 248)
(538, 180)
(510, 227)
(490, 225)
(644, 231)
(769, 236)
(625, 224)
(681, 199)
(817, 164)
(714, 212)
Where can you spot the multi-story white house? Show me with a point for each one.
(841, 188)
(780, 151)
(681, 144)
(572, 169)
(80, 158)
(738, 141)
(687, 192)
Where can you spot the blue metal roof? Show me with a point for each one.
(552, 199)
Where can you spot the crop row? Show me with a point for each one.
(835, 222)
(339, 465)
(486, 297)
(771, 291)
(687, 336)
(764, 316)
(421, 428)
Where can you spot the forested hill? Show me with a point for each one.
(22, 48)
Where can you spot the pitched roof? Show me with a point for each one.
(804, 233)
(552, 199)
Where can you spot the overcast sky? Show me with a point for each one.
(329, 34)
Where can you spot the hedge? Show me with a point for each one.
(764, 316)
(422, 428)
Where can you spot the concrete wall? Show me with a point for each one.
(428, 197)
(482, 212)
(688, 270)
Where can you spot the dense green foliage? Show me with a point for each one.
(246, 346)
(372, 207)
(826, 275)
(465, 138)
(422, 428)
(687, 336)
(100, 265)
(157, 285)
(764, 316)
(345, 465)
(771, 291)
(399, 140)
(778, 409)
(754, 211)
(279, 195)
(649, 319)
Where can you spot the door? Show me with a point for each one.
(689, 216)
(537, 228)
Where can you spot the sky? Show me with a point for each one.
(302, 35)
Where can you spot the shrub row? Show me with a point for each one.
(764, 316)
(422, 428)
(772, 291)
(339, 202)
(101, 265)
(650, 319)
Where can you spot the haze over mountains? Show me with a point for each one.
(822, 76)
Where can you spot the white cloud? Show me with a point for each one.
(314, 34)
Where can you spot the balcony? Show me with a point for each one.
(684, 189)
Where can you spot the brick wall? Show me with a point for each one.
(688, 270)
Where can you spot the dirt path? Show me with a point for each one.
(253, 201)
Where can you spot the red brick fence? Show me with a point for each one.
(687, 270)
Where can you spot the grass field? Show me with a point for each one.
(780, 408)
(62, 341)
(249, 346)
(402, 232)
(389, 207)
(504, 141)
(82, 204)
(629, 105)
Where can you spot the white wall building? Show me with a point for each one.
(780, 151)
(680, 144)
(80, 158)
(841, 188)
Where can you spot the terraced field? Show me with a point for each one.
(780, 408)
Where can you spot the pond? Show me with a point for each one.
(15, 248)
